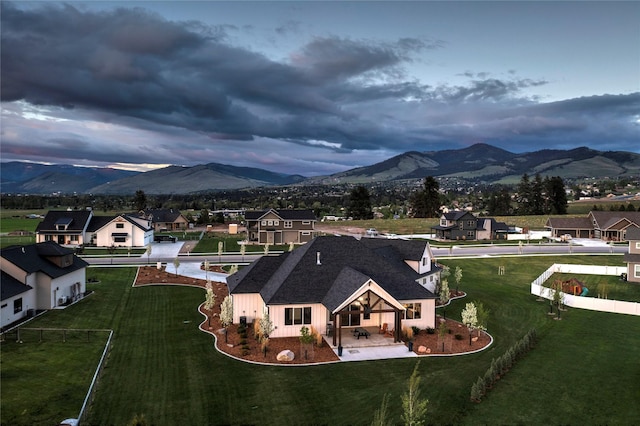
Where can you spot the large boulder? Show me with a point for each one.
(286, 355)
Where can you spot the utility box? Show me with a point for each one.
(233, 228)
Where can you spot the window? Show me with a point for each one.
(471, 223)
(276, 222)
(424, 261)
(288, 224)
(461, 225)
(270, 223)
(120, 239)
(264, 223)
(17, 305)
(74, 238)
(470, 234)
(413, 310)
(120, 225)
(306, 222)
(637, 245)
(443, 222)
(636, 271)
(306, 233)
(294, 316)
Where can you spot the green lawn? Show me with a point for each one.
(583, 371)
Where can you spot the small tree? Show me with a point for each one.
(220, 248)
(266, 249)
(557, 298)
(243, 249)
(148, 252)
(444, 296)
(457, 275)
(266, 326)
(482, 316)
(210, 300)
(470, 318)
(291, 246)
(442, 332)
(306, 339)
(380, 416)
(226, 314)
(176, 264)
(414, 408)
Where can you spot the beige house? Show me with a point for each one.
(602, 225)
(339, 283)
(633, 256)
(165, 220)
(280, 226)
(37, 277)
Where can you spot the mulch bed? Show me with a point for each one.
(252, 351)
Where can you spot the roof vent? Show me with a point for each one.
(318, 258)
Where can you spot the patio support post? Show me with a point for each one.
(335, 328)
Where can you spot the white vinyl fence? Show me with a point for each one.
(592, 303)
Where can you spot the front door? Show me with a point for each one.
(61, 239)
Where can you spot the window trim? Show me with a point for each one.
(413, 308)
(299, 315)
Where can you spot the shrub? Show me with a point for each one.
(459, 337)
(416, 330)
(408, 333)
(430, 330)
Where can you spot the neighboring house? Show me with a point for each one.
(82, 228)
(122, 231)
(633, 256)
(280, 226)
(39, 276)
(165, 220)
(337, 282)
(464, 225)
(65, 227)
(602, 225)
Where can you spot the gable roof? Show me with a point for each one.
(345, 264)
(34, 258)
(11, 287)
(633, 233)
(76, 220)
(162, 215)
(605, 220)
(284, 214)
(99, 222)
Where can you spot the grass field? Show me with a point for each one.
(583, 371)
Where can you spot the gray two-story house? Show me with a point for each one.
(632, 257)
(280, 226)
(463, 225)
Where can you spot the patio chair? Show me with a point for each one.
(383, 329)
(390, 333)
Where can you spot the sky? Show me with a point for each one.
(312, 88)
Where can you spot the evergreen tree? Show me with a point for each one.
(557, 196)
(140, 200)
(537, 196)
(360, 205)
(524, 198)
(426, 202)
(499, 203)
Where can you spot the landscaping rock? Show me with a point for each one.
(286, 355)
(422, 349)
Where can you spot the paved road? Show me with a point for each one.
(190, 263)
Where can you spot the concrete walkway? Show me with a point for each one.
(375, 352)
(188, 269)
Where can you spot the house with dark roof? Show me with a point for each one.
(65, 227)
(39, 276)
(464, 225)
(121, 231)
(333, 283)
(632, 257)
(82, 228)
(283, 226)
(602, 225)
(165, 220)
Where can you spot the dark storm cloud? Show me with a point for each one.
(136, 69)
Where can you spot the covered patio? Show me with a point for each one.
(350, 340)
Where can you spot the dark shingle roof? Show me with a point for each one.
(345, 265)
(76, 219)
(633, 233)
(163, 215)
(98, 222)
(33, 258)
(605, 220)
(12, 287)
(569, 223)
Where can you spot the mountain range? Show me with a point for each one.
(479, 162)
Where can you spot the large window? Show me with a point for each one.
(288, 224)
(636, 272)
(120, 239)
(413, 310)
(17, 305)
(294, 316)
(120, 225)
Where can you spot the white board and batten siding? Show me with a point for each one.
(319, 317)
(248, 305)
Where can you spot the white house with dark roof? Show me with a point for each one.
(65, 227)
(39, 276)
(123, 231)
(342, 282)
